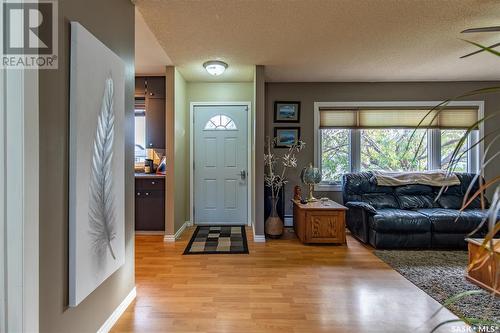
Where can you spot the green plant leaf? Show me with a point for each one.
(459, 296)
(456, 298)
(485, 48)
(446, 322)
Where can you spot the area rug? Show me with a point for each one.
(441, 274)
(218, 240)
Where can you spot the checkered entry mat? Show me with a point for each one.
(218, 239)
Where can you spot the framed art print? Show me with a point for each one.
(286, 136)
(96, 164)
(286, 112)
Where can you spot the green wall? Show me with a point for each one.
(213, 92)
(181, 163)
(219, 92)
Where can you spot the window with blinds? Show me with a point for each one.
(353, 137)
(448, 118)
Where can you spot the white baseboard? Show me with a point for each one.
(259, 238)
(148, 232)
(169, 238)
(288, 220)
(172, 238)
(108, 324)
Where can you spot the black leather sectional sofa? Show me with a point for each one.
(409, 216)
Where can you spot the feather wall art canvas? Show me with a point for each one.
(96, 173)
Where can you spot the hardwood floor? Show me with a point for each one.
(281, 286)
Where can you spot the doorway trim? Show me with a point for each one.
(19, 108)
(192, 105)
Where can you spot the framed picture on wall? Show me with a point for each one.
(286, 112)
(286, 136)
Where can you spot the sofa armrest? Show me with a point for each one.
(357, 219)
(363, 205)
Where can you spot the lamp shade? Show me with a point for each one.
(310, 175)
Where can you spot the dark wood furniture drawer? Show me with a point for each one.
(149, 210)
(151, 184)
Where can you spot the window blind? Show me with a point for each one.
(452, 118)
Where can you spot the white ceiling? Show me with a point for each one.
(327, 40)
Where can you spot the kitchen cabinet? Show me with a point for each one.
(155, 123)
(149, 203)
(152, 88)
(140, 86)
(155, 86)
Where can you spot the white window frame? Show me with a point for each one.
(433, 135)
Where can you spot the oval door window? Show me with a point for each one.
(220, 122)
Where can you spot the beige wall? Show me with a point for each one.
(214, 92)
(308, 93)
(181, 173)
(112, 22)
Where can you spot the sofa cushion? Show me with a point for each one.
(413, 189)
(465, 180)
(387, 240)
(415, 196)
(379, 200)
(452, 221)
(416, 201)
(398, 220)
(355, 185)
(450, 201)
(362, 205)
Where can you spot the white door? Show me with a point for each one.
(220, 164)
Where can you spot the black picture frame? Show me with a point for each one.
(278, 143)
(282, 108)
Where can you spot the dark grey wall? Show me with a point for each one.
(308, 93)
(112, 21)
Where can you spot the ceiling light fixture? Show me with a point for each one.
(215, 67)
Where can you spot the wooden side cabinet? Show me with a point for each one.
(318, 222)
(485, 269)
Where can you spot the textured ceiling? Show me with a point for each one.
(150, 57)
(327, 40)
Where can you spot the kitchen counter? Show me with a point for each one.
(148, 175)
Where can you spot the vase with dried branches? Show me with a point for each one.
(275, 178)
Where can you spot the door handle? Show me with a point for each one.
(243, 174)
